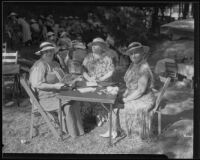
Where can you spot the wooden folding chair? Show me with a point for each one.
(11, 71)
(39, 109)
(157, 108)
(171, 70)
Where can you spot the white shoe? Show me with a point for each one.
(106, 135)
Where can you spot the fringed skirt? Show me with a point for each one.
(135, 117)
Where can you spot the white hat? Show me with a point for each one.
(45, 46)
(80, 45)
(12, 14)
(50, 34)
(100, 42)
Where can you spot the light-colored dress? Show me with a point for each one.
(26, 31)
(43, 72)
(135, 117)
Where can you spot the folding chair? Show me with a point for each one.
(11, 71)
(171, 70)
(38, 110)
(157, 108)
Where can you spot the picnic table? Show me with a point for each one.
(94, 96)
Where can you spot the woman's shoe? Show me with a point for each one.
(106, 135)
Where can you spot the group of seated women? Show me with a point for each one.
(98, 66)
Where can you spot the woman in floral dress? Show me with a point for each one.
(138, 98)
(98, 67)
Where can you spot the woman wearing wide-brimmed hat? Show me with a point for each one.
(138, 97)
(46, 79)
(98, 67)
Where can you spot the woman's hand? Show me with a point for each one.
(58, 85)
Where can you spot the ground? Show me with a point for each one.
(176, 140)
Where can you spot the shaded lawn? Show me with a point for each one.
(16, 126)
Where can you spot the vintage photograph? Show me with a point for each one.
(98, 78)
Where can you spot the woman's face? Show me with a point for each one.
(96, 49)
(136, 57)
(49, 54)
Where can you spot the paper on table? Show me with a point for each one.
(89, 84)
(88, 89)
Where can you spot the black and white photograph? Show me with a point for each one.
(98, 78)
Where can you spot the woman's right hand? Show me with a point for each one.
(58, 85)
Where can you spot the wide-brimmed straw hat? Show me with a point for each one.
(80, 45)
(12, 14)
(50, 34)
(45, 46)
(98, 41)
(136, 47)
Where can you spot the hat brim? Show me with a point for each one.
(130, 51)
(80, 47)
(103, 45)
(44, 49)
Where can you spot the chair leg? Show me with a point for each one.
(159, 123)
(60, 117)
(32, 120)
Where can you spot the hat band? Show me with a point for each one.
(46, 45)
(137, 50)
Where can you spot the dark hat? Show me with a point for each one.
(136, 47)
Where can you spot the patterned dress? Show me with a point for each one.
(135, 117)
(97, 68)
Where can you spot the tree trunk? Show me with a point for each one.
(185, 10)
(155, 19)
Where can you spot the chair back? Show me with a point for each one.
(25, 84)
(171, 70)
(10, 58)
(159, 98)
(4, 47)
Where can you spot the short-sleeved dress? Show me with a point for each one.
(134, 117)
(97, 68)
(43, 72)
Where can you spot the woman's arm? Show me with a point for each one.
(88, 78)
(106, 76)
(47, 87)
(142, 85)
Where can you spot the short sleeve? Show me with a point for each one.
(37, 75)
(144, 70)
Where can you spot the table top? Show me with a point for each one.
(89, 96)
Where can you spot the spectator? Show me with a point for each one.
(35, 29)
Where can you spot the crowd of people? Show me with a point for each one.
(65, 54)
